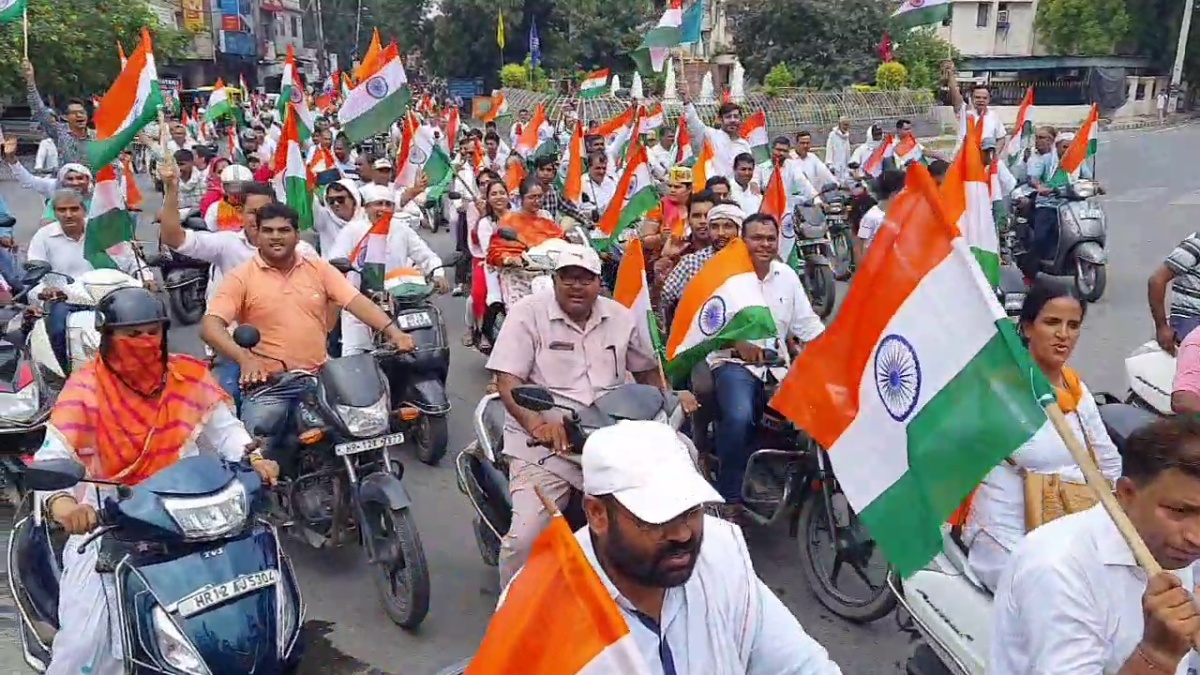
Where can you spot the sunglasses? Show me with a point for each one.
(337, 200)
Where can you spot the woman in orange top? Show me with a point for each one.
(532, 224)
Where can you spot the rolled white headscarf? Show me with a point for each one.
(72, 167)
(375, 193)
(727, 212)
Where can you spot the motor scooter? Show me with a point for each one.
(202, 584)
(1082, 236)
(482, 468)
(417, 379)
(1150, 373)
(951, 610)
(531, 276)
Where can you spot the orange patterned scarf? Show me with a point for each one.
(531, 230)
(125, 437)
(1069, 398)
(229, 217)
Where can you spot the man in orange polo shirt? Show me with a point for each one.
(286, 296)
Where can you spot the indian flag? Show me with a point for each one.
(721, 305)
(426, 154)
(110, 226)
(370, 62)
(370, 254)
(1081, 149)
(703, 168)
(131, 103)
(635, 197)
(404, 280)
(967, 197)
(219, 103)
(450, 138)
(407, 171)
(656, 46)
(885, 149)
(921, 13)
(495, 108)
(534, 134)
(652, 118)
(573, 181)
(236, 155)
(292, 91)
(632, 291)
(293, 182)
(1022, 137)
(683, 155)
(921, 385)
(593, 85)
(11, 10)
(775, 203)
(376, 102)
(556, 618)
(754, 130)
(907, 151)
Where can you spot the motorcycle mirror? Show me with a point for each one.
(507, 234)
(533, 398)
(246, 336)
(830, 186)
(53, 474)
(342, 265)
(454, 195)
(35, 271)
(853, 165)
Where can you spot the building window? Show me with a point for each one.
(295, 27)
(982, 14)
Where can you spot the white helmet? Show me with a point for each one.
(236, 173)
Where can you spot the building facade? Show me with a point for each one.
(993, 28)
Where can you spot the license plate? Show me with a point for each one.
(210, 596)
(355, 447)
(415, 320)
(1091, 214)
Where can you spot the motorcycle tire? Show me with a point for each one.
(866, 610)
(1090, 290)
(843, 252)
(184, 306)
(432, 438)
(822, 289)
(406, 606)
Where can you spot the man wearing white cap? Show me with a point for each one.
(683, 580)
(724, 225)
(578, 345)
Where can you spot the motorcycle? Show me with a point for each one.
(482, 468)
(186, 279)
(837, 212)
(201, 580)
(789, 480)
(1082, 236)
(417, 380)
(340, 481)
(951, 610)
(814, 254)
(1150, 373)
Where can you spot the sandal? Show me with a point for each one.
(468, 339)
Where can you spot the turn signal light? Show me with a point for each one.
(408, 414)
(312, 436)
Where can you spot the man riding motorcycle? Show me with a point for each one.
(131, 412)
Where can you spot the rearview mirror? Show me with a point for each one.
(246, 336)
(35, 271)
(507, 234)
(342, 265)
(454, 195)
(853, 165)
(53, 474)
(533, 398)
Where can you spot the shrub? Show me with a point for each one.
(514, 76)
(891, 76)
(780, 77)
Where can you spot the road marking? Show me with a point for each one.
(1190, 199)
(1138, 195)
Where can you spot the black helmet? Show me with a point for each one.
(130, 306)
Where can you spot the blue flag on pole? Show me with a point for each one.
(535, 45)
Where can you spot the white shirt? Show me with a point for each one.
(992, 126)
(814, 170)
(226, 250)
(661, 160)
(750, 202)
(795, 181)
(725, 147)
(869, 225)
(600, 194)
(65, 255)
(793, 313)
(724, 620)
(1070, 602)
(837, 151)
(47, 156)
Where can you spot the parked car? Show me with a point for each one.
(17, 121)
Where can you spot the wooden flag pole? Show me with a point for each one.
(25, 30)
(1099, 485)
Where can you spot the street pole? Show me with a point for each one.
(357, 31)
(1181, 48)
(322, 56)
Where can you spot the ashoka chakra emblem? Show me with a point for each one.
(897, 376)
(377, 87)
(787, 228)
(297, 95)
(712, 316)
(417, 156)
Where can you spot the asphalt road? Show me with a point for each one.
(1151, 205)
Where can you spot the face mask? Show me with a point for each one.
(138, 362)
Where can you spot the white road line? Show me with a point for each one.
(1138, 195)
(1190, 199)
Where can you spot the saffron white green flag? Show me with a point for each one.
(1081, 150)
(377, 102)
(721, 305)
(656, 46)
(109, 224)
(593, 85)
(404, 280)
(755, 133)
(920, 386)
(291, 91)
(967, 196)
(635, 197)
(370, 254)
(12, 10)
(219, 104)
(293, 182)
(921, 12)
(131, 103)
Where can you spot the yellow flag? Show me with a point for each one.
(500, 30)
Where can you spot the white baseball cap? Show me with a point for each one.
(647, 468)
(578, 255)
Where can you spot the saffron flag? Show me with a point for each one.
(632, 291)
(293, 182)
(967, 198)
(131, 103)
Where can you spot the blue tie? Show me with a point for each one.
(664, 647)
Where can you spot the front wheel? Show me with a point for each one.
(401, 574)
(1090, 279)
(821, 288)
(188, 303)
(432, 436)
(843, 255)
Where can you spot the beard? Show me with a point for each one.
(663, 569)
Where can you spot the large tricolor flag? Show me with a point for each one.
(557, 618)
(633, 291)
(874, 164)
(754, 130)
(377, 101)
(721, 305)
(655, 47)
(921, 12)
(131, 103)
(534, 134)
(110, 226)
(653, 118)
(967, 198)
(219, 103)
(291, 90)
(572, 189)
(293, 182)
(370, 254)
(920, 386)
(1081, 149)
(1022, 137)
(593, 85)
(635, 197)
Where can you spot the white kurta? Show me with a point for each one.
(88, 640)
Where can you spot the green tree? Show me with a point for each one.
(404, 24)
(73, 47)
(922, 53)
(779, 77)
(891, 76)
(1082, 27)
(828, 43)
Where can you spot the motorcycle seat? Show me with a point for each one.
(1122, 419)
(38, 563)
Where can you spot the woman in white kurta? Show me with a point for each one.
(1050, 322)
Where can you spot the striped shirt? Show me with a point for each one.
(1184, 261)
(71, 148)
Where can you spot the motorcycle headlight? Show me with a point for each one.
(211, 516)
(174, 647)
(363, 422)
(1084, 189)
(20, 405)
